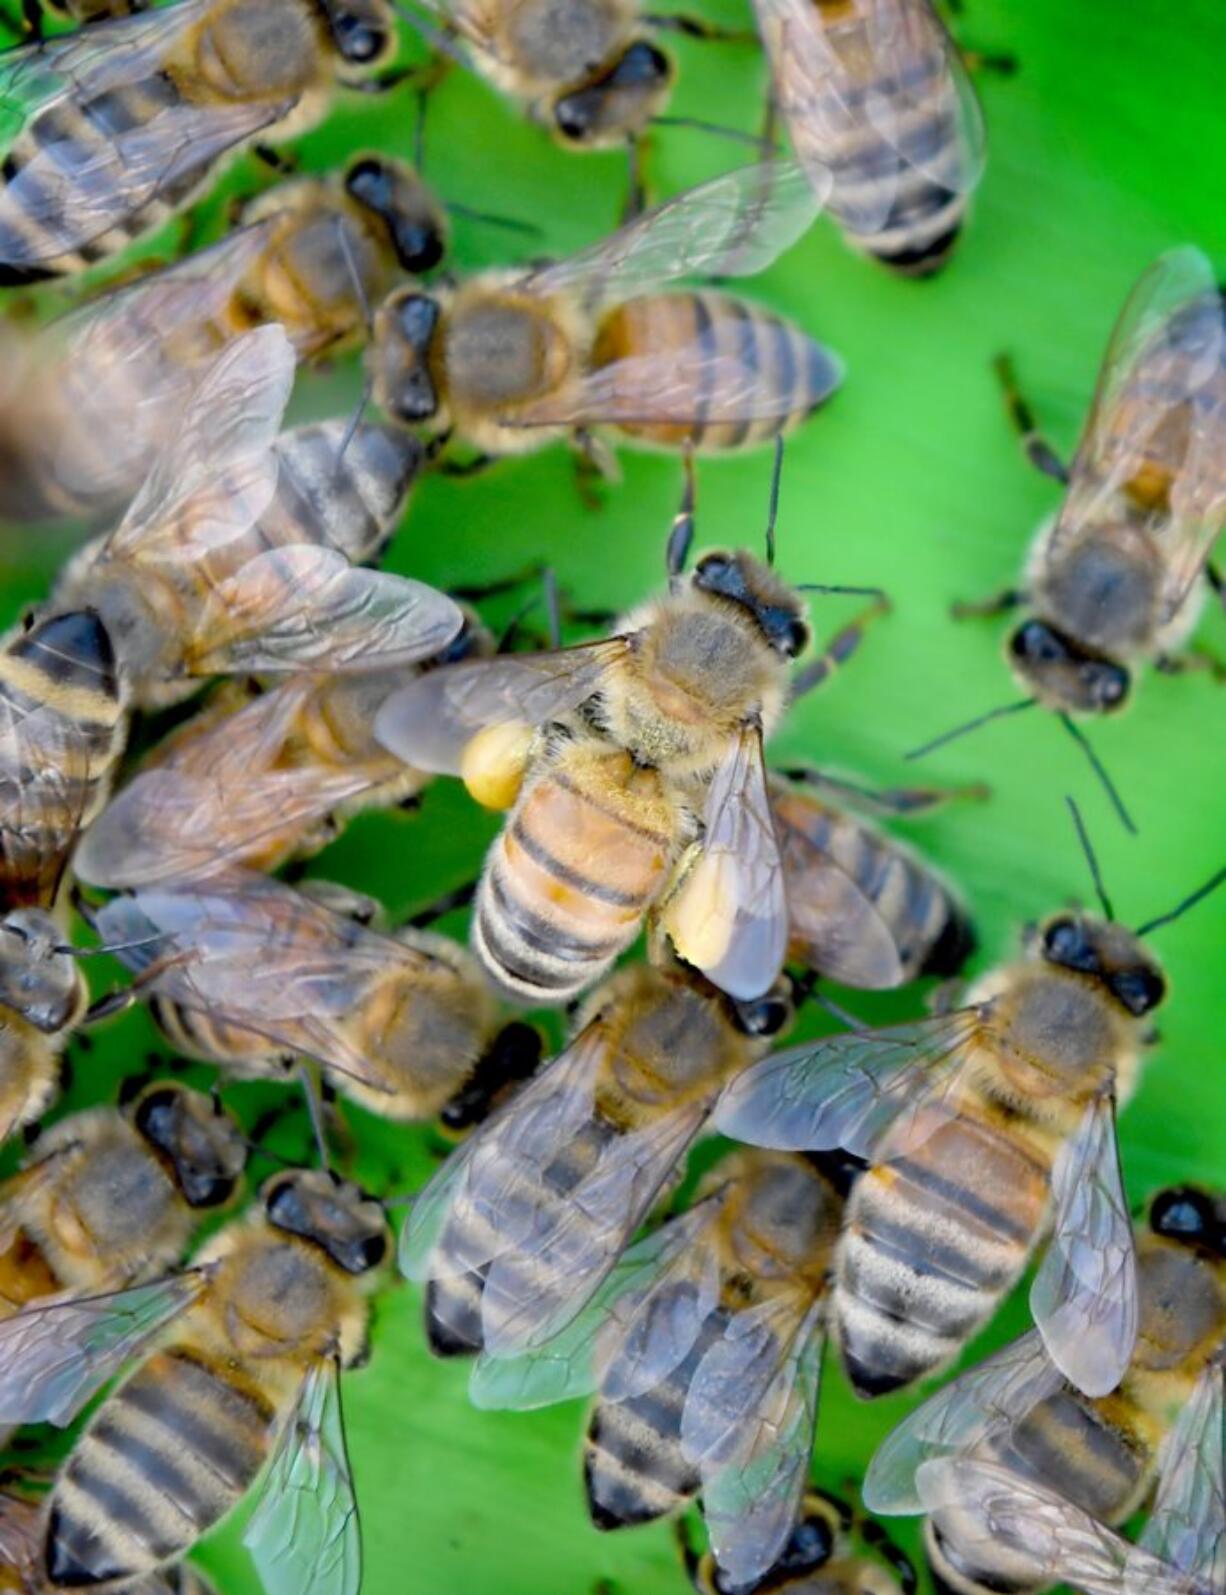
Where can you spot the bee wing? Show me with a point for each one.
(732, 226)
(820, 89)
(304, 607)
(748, 1423)
(56, 1354)
(851, 1090)
(982, 1402)
(37, 747)
(304, 1536)
(688, 384)
(1084, 1296)
(1028, 1519)
(21, 1538)
(730, 916)
(429, 721)
(1187, 1522)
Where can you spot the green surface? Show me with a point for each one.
(1106, 147)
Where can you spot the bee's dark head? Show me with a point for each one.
(1109, 954)
(196, 1138)
(335, 1214)
(39, 978)
(776, 607)
(620, 102)
(415, 222)
(402, 354)
(1064, 675)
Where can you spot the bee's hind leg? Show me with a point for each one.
(1035, 446)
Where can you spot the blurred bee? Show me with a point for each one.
(252, 974)
(237, 554)
(244, 1383)
(862, 909)
(704, 1350)
(1101, 1456)
(125, 123)
(521, 1227)
(875, 97)
(510, 361)
(258, 781)
(974, 1122)
(1118, 577)
(818, 1559)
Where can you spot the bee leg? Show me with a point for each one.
(1217, 582)
(691, 1557)
(680, 538)
(278, 161)
(838, 651)
(988, 608)
(1034, 445)
(458, 897)
(636, 188)
(32, 21)
(989, 61)
(695, 27)
(1194, 659)
(876, 1538)
(472, 467)
(475, 593)
(893, 800)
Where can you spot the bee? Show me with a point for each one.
(1119, 576)
(238, 1375)
(238, 553)
(818, 1559)
(509, 361)
(862, 909)
(975, 1123)
(704, 1350)
(882, 113)
(521, 1227)
(1101, 1456)
(125, 123)
(249, 973)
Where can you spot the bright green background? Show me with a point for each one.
(1106, 147)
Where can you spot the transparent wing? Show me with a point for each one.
(40, 810)
(733, 226)
(56, 1354)
(748, 1421)
(730, 916)
(1084, 1296)
(429, 721)
(21, 1538)
(1187, 1522)
(304, 1536)
(1023, 1517)
(852, 1090)
(305, 607)
(976, 1406)
(689, 384)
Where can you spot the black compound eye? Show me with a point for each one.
(374, 1250)
(794, 638)
(157, 1116)
(1139, 989)
(1034, 641)
(1186, 1214)
(1064, 942)
(207, 1190)
(575, 115)
(358, 41)
(1111, 683)
(764, 1016)
(419, 245)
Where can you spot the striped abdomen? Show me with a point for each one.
(163, 1461)
(200, 1035)
(60, 692)
(933, 1238)
(583, 855)
(786, 374)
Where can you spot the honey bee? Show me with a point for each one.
(1100, 1456)
(244, 1380)
(1117, 578)
(521, 1227)
(880, 109)
(975, 1122)
(510, 361)
(237, 553)
(818, 1559)
(704, 1350)
(862, 909)
(248, 972)
(126, 122)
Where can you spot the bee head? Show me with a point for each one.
(1064, 675)
(776, 608)
(196, 1138)
(396, 195)
(335, 1214)
(405, 330)
(768, 1015)
(1109, 954)
(39, 978)
(1192, 1216)
(619, 102)
(362, 30)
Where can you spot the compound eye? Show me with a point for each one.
(156, 1115)
(359, 42)
(1062, 941)
(374, 1250)
(1111, 686)
(765, 1016)
(1184, 1214)
(1139, 990)
(795, 638)
(1035, 641)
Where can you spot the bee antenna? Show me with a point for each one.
(1201, 892)
(1083, 836)
(82, 905)
(436, 38)
(998, 713)
(772, 514)
(1100, 770)
(316, 1111)
(491, 218)
(825, 587)
(756, 141)
(355, 421)
(419, 131)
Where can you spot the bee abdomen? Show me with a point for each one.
(197, 1035)
(931, 1243)
(350, 492)
(786, 373)
(163, 1461)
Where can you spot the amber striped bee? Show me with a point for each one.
(237, 554)
(882, 113)
(976, 1122)
(703, 1349)
(521, 1227)
(1102, 1456)
(126, 122)
(244, 1381)
(510, 361)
